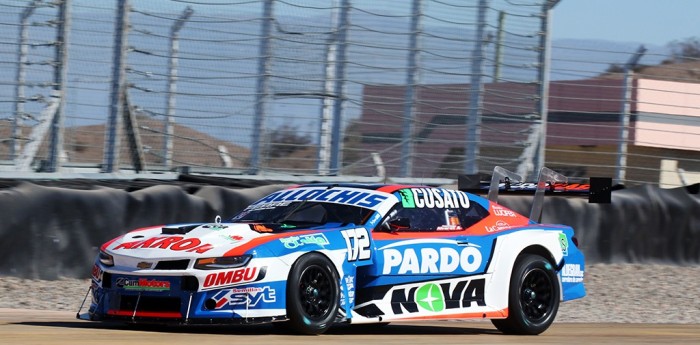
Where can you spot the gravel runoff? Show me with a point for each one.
(617, 293)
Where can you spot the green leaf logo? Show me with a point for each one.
(564, 243)
(407, 198)
(429, 297)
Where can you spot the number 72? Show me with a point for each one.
(357, 241)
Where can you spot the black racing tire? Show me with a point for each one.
(533, 297)
(313, 294)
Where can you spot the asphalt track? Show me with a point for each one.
(29, 327)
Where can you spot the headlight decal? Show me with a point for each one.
(105, 259)
(222, 262)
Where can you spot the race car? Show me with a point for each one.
(315, 255)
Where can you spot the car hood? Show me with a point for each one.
(193, 240)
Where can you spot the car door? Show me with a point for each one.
(426, 236)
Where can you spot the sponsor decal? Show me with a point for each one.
(267, 206)
(249, 296)
(176, 243)
(215, 227)
(500, 225)
(97, 273)
(436, 298)
(564, 243)
(349, 282)
(357, 241)
(233, 277)
(449, 228)
(143, 284)
(430, 298)
(374, 220)
(431, 260)
(572, 273)
(407, 198)
(298, 241)
(367, 199)
(438, 198)
(502, 211)
(232, 238)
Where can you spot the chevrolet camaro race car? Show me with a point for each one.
(319, 254)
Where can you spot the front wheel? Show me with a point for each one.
(312, 294)
(533, 297)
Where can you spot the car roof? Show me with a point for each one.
(388, 188)
(391, 188)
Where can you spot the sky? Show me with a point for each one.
(655, 22)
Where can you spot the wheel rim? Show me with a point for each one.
(316, 292)
(536, 295)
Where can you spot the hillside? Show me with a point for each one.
(84, 144)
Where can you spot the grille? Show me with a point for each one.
(152, 304)
(173, 265)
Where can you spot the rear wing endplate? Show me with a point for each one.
(549, 182)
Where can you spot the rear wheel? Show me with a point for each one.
(533, 297)
(312, 294)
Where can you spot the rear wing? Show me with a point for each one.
(549, 182)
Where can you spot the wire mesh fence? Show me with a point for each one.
(419, 89)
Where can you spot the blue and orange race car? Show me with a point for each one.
(319, 254)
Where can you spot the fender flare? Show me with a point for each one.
(507, 249)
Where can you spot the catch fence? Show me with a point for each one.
(415, 89)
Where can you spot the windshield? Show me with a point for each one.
(303, 212)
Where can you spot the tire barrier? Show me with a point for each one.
(48, 231)
(641, 225)
(52, 232)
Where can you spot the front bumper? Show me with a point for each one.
(176, 300)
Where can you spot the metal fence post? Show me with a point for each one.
(412, 80)
(339, 88)
(172, 87)
(324, 149)
(498, 54)
(621, 166)
(263, 88)
(15, 147)
(473, 139)
(60, 75)
(543, 79)
(111, 151)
